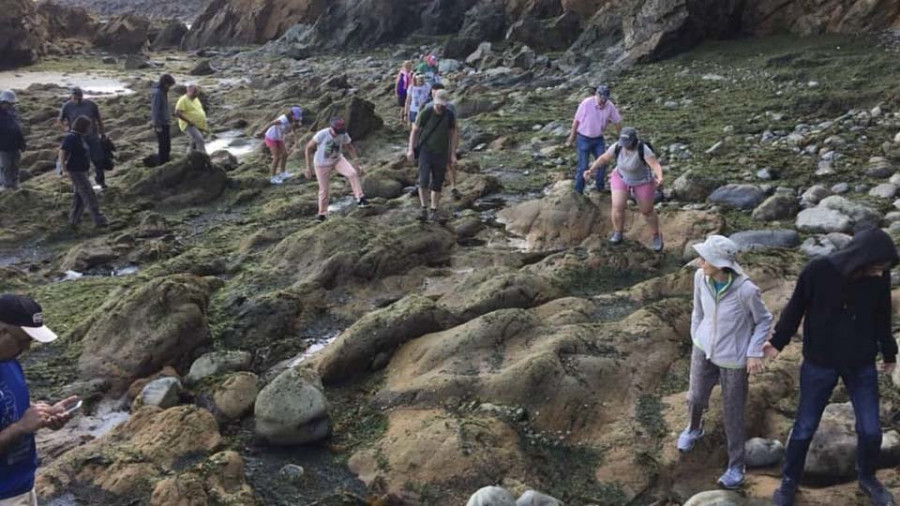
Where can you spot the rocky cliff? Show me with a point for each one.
(650, 29)
(184, 10)
(22, 33)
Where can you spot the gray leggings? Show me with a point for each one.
(196, 142)
(734, 382)
(84, 197)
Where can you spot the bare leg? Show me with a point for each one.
(619, 200)
(435, 199)
(650, 215)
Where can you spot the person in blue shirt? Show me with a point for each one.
(21, 323)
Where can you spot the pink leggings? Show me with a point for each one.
(323, 175)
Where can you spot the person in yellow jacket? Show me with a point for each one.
(192, 118)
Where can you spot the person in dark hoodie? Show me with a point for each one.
(12, 141)
(844, 300)
(161, 116)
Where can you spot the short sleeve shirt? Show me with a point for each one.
(593, 119)
(631, 169)
(77, 151)
(71, 111)
(330, 147)
(18, 462)
(276, 132)
(437, 128)
(419, 95)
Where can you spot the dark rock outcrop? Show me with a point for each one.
(124, 34)
(170, 36)
(22, 33)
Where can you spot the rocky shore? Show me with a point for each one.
(235, 351)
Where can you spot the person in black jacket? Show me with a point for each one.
(161, 116)
(12, 141)
(845, 302)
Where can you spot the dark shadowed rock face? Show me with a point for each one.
(183, 10)
(22, 33)
(124, 34)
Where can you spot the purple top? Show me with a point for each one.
(592, 119)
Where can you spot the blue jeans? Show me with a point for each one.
(816, 385)
(587, 147)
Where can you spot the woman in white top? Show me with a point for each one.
(416, 97)
(638, 173)
(276, 134)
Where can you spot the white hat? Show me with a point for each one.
(720, 252)
(442, 97)
(8, 96)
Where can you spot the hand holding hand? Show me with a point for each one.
(755, 365)
(770, 351)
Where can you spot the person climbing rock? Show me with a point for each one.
(21, 324)
(844, 301)
(401, 85)
(76, 107)
(12, 141)
(276, 134)
(729, 325)
(433, 141)
(192, 118)
(74, 159)
(329, 144)
(639, 173)
(161, 117)
(593, 116)
(416, 97)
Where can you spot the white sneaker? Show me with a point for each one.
(275, 180)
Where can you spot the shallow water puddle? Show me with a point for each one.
(316, 347)
(341, 204)
(233, 141)
(93, 85)
(115, 272)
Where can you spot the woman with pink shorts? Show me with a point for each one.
(276, 133)
(637, 172)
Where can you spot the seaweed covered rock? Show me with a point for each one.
(488, 290)
(189, 181)
(138, 332)
(218, 480)
(376, 335)
(135, 454)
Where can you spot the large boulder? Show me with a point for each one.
(563, 218)
(236, 22)
(188, 181)
(292, 409)
(218, 362)
(485, 22)
(660, 28)
(359, 114)
(376, 335)
(124, 34)
(862, 215)
(776, 207)
(66, 21)
(22, 33)
(555, 34)
(87, 255)
(693, 187)
(765, 239)
(129, 460)
(171, 36)
(138, 332)
(488, 290)
(812, 18)
(716, 498)
(217, 480)
(822, 220)
(492, 496)
(236, 395)
(739, 196)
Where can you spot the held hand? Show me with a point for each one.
(35, 418)
(888, 368)
(770, 351)
(755, 365)
(411, 156)
(59, 418)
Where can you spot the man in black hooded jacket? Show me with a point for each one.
(846, 301)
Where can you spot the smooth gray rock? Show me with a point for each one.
(532, 498)
(218, 362)
(292, 409)
(163, 393)
(740, 196)
(884, 191)
(716, 498)
(860, 214)
(823, 220)
(492, 496)
(822, 245)
(693, 187)
(763, 452)
(764, 239)
(777, 207)
(815, 194)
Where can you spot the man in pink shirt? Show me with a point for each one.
(593, 116)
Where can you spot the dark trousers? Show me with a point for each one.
(97, 157)
(432, 170)
(84, 197)
(586, 148)
(9, 169)
(816, 385)
(164, 138)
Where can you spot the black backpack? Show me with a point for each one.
(640, 148)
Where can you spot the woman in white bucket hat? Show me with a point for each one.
(729, 325)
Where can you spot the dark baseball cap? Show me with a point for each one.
(22, 311)
(628, 137)
(77, 91)
(603, 91)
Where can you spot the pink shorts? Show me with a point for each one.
(642, 192)
(273, 144)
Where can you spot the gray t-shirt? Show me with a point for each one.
(631, 169)
(71, 111)
(330, 147)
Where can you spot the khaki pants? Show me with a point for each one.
(29, 499)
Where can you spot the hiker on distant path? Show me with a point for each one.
(76, 107)
(74, 158)
(192, 118)
(329, 144)
(416, 97)
(161, 116)
(451, 169)
(402, 84)
(638, 173)
(12, 142)
(428, 67)
(21, 324)
(434, 140)
(729, 325)
(594, 114)
(844, 301)
(276, 140)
